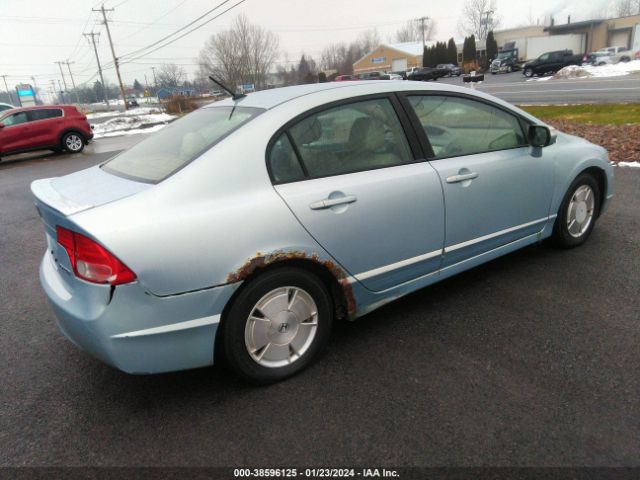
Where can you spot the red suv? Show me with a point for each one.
(60, 127)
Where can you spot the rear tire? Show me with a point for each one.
(73, 142)
(277, 325)
(578, 212)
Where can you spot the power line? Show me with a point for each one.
(177, 31)
(190, 31)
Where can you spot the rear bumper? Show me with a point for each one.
(131, 329)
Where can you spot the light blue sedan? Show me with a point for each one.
(244, 229)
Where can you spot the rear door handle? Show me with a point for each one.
(462, 178)
(332, 202)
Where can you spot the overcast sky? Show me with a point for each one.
(37, 33)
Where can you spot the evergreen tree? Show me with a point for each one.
(472, 48)
(452, 52)
(492, 46)
(137, 86)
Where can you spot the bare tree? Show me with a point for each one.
(171, 75)
(368, 41)
(243, 54)
(412, 31)
(478, 18)
(626, 8)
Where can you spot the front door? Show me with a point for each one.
(14, 136)
(364, 195)
(497, 189)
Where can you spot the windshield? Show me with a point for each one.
(173, 147)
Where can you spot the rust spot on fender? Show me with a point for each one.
(261, 260)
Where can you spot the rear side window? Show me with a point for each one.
(285, 166)
(350, 138)
(459, 126)
(45, 113)
(173, 147)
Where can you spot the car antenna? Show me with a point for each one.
(234, 95)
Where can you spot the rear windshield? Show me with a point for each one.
(167, 151)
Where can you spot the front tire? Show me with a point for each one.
(578, 212)
(73, 142)
(277, 325)
(528, 72)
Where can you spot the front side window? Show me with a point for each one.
(15, 119)
(350, 138)
(543, 57)
(168, 150)
(459, 126)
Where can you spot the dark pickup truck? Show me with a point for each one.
(551, 62)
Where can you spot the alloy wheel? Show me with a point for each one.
(73, 142)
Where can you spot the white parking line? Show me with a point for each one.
(568, 90)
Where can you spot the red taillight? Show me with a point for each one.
(91, 261)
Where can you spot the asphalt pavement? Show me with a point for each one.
(530, 360)
(516, 88)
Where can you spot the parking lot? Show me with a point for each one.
(532, 359)
(516, 88)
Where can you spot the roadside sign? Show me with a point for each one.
(26, 95)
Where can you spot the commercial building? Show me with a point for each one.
(593, 34)
(394, 57)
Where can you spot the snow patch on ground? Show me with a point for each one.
(592, 71)
(629, 164)
(134, 131)
(133, 111)
(123, 125)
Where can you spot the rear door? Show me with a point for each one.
(497, 189)
(15, 134)
(362, 189)
(45, 124)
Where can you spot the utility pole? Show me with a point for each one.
(68, 63)
(488, 13)
(35, 90)
(95, 49)
(155, 82)
(423, 26)
(4, 77)
(63, 79)
(113, 52)
(61, 94)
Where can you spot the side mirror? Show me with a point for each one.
(1, 125)
(541, 136)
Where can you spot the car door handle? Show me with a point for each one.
(462, 178)
(332, 202)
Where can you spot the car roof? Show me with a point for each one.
(271, 98)
(268, 99)
(38, 107)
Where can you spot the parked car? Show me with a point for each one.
(371, 76)
(5, 106)
(449, 69)
(55, 128)
(401, 73)
(391, 76)
(600, 58)
(423, 74)
(244, 229)
(551, 62)
(345, 78)
(132, 102)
